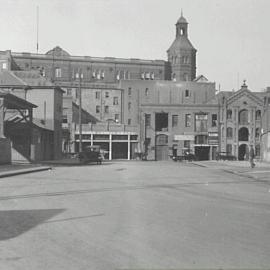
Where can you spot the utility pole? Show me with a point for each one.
(79, 76)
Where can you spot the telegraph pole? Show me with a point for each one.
(79, 76)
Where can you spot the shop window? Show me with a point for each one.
(187, 144)
(201, 139)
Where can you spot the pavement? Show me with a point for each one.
(19, 168)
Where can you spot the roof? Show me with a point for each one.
(14, 102)
(8, 78)
(181, 42)
(181, 20)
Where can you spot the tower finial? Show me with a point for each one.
(181, 12)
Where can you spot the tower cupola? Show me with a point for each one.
(181, 26)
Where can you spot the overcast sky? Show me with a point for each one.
(232, 37)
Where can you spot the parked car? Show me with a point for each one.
(185, 156)
(91, 154)
(225, 156)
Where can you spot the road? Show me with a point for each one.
(134, 215)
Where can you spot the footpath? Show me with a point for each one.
(241, 168)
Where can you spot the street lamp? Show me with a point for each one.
(79, 75)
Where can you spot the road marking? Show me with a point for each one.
(259, 172)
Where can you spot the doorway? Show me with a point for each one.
(243, 152)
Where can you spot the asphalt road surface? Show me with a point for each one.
(134, 215)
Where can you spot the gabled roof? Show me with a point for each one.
(32, 78)
(245, 91)
(14, 102)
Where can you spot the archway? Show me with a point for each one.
(243, 134)
(243, 152)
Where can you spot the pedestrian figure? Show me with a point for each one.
(251, 157)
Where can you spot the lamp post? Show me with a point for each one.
(79, 75)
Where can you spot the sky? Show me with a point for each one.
(232, 37)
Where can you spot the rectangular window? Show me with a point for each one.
(58, 73)
(129, 91)
(116, 118)
(146, 92)
(214, 120)
(174, 120)
(201, 122)
(187, 93)
(97, 109)
(187, 144)
(106, 94)
(106, 109)
(129, 106)
(129, 121)
(97, 95)
(188, 120)
(115, 101)
(64, 119)
(148, 120)
(4, 65)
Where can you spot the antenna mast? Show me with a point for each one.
(37, 25)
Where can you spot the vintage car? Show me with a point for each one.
(91, 154)
(185, 156)
(225, 156)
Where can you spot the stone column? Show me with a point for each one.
(2, 118)
(91, 143)
(110, 146)
(128, 146)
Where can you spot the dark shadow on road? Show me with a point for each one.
(16, 222)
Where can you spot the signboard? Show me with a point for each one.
(213, 138)
(184, 137)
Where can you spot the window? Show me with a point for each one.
(146, 92)
(229, 149)
(243, 117)
(152, 76)
(257, 133)
(129, 106)
(188, 120)
(147, 120)
(98, 109)
(201, 139)
(64, 119)
(4, 65)
(257, 150)
(129, 121)
(174, 120)
(214, 120)
(58, 73)
(97, 95)
(102, 74)
(187, 144)
(69, 92)
(129, 91)
(258, 115)
(229, 132)
(116, 118)
(187, 93)
(106, 94)
(201, 122)
(106, 109)
(229, 114)
(115, 101)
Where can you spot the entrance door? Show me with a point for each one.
(202, 152)
(162, 150)
(243, 152)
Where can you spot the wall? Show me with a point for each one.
(266, 147)
(5, 151)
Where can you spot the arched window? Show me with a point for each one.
(258, 115)
(229, 114)
(243, 134)
(229, 132)
(243, 117)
